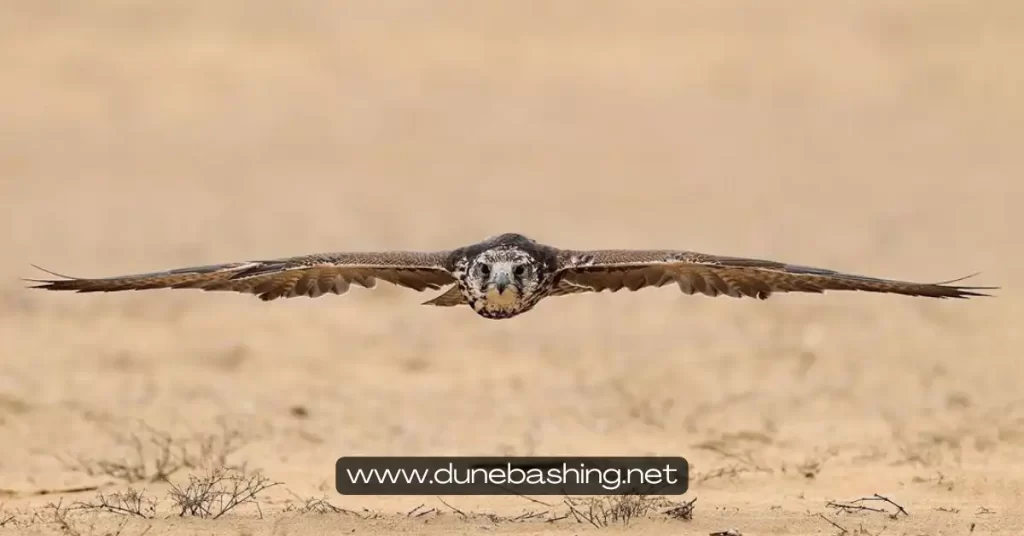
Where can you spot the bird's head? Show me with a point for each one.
(502, 280)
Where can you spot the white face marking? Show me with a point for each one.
(501, 282)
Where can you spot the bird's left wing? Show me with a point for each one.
(714, 275)
(308, 275)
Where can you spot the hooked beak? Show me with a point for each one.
(501, 282)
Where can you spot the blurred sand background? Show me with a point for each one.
(879, 138)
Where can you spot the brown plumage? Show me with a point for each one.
(309, 275)
(507, 275)
(730, 276)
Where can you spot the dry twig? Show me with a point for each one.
(218, 492)
(855, 506)
(130, 502)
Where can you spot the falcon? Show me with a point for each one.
(507, 275)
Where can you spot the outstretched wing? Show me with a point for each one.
(730, 276)
(309, 275)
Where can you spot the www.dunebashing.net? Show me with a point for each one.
(461, 476)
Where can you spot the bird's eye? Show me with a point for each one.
(519, 271)
(485, 270)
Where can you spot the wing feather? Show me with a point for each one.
(737, 277)
(309, 275)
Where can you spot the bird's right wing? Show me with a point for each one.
(308, 275)
(715, 275)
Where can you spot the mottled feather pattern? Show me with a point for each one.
(310, 275)
(507, 275)
(730, 276)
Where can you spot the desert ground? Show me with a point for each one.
(877, 138)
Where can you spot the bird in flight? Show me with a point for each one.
(507, 275)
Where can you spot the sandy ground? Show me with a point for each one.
(879, 140)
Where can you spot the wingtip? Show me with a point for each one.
(959, 279)
(51, 272)
(45, 283)
(974, 292)
(967, 292)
